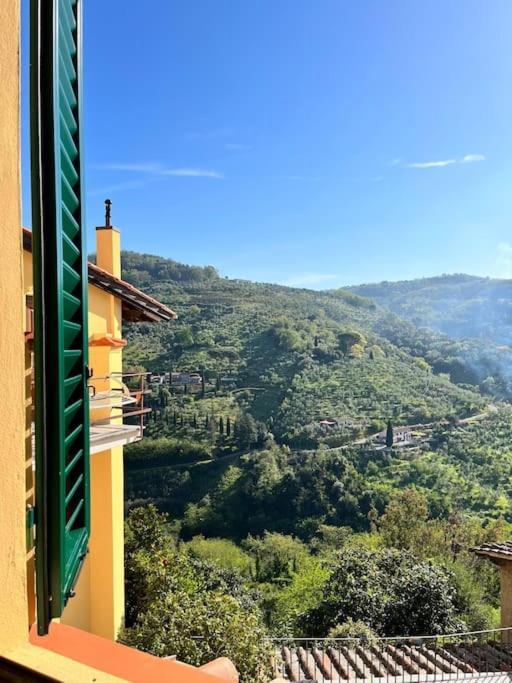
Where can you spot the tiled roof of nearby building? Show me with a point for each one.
(498, 551)
(410, 660)
(137, 306)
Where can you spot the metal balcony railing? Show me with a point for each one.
(117, 408)
(481, 655)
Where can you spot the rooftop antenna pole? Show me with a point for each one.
(108, 204)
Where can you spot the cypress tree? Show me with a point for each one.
(221, 425)
(194, 421)
(228, 426)
(203, 384)
(389, 435)
(206, 422)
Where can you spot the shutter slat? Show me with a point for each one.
(67, 72)
(76, 458)
(74, 406)
(74, 489)
(69, 223)
(67, 16)
(71, 437)
(69, 197)
(68, 165)
(74, 515)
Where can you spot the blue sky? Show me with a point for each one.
(308, 142)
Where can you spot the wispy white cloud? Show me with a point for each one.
(432, 164)
(471, 158)
(192, 173)
(395, 162)
(306, 279)
(156, 169)
(145, 167)
(467, 159)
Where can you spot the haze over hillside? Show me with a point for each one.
(461, 306)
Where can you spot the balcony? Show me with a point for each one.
(117, 410)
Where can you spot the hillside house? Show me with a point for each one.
(185, 378)
(401, 435)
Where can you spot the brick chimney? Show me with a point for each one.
(108, 245)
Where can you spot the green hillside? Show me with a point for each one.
(296, 357)
(270, 462)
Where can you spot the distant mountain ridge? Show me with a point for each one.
(461, 306)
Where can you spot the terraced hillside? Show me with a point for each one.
(300, 357)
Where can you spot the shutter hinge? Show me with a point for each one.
(30, 524)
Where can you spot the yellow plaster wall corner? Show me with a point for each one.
(13, 593)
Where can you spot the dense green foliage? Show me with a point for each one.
(390, 591)
(272, 472)
(180, 605)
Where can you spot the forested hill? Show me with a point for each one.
(299, 356)
(461, 306)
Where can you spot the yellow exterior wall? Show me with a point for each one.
(13, 595)
(98, 606)
(108, 250)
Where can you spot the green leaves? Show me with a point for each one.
(390, 591)
(184, 606)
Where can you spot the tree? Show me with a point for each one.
(403, 523)
(390, 591)
(184, 336)
(220, 551)
(389, 435)
(228, 426)
(246, 431)
(221, 425)
(203, 383)
(278, 556)
(183, 606)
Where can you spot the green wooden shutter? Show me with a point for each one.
(60, 296)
